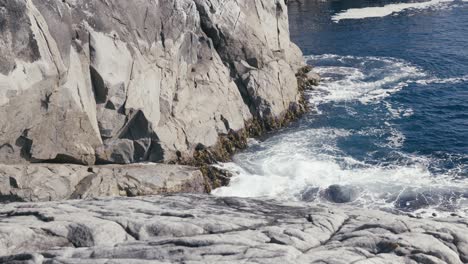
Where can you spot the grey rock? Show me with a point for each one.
(207, 229)
(416, 198)
(309, 194)
(78, 78)
(342, 193)
(314, 78)
(262, 63)
(119, 151)
(50, 182)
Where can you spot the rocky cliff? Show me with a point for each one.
(117, 81)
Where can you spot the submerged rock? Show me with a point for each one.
(207, 229)
(342, 193)
(413, 199)
(309, 194)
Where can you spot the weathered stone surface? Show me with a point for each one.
(50, 182)
(78, 78)
(261, 64)
(207, 229)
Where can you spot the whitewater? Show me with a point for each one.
(391, 9)
(388, 123)
(290, 164)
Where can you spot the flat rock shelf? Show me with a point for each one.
(207, 229)
(53, 182)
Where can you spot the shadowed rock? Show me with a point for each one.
(342, 193)
(309, 194)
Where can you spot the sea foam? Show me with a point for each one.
(368, 12)
(367, 79)
(286, 165)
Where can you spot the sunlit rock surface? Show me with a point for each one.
(120, 81)
(52, 182)
(207, 229)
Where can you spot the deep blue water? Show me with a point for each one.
(390, 116)
(436, 41)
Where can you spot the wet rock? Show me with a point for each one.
(413, 199)
(306, 78)
(314, 78)
(207, 229)
(342, 193)
(309, 194)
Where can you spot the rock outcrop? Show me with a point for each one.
(119, 81)
(54, 182)
(207, 229)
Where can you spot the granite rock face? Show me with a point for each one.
(207, 229)
(52, 182)
(119, 81)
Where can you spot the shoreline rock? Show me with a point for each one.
(208, 229)
(93, 83)
(55, 182)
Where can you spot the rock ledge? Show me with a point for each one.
(207, 229)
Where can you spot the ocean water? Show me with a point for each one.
(390, 118)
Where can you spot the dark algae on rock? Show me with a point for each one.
(234, 141)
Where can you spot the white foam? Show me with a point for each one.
(252, 142)
(368, 12)
(357, 82)
(285, 178)
(283, 166)
(399, 111)
(435, 80)
(396, 138)
(286, 164)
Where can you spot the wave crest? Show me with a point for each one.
(369, 12)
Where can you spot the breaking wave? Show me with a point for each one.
(368, 12)
(367, 79)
